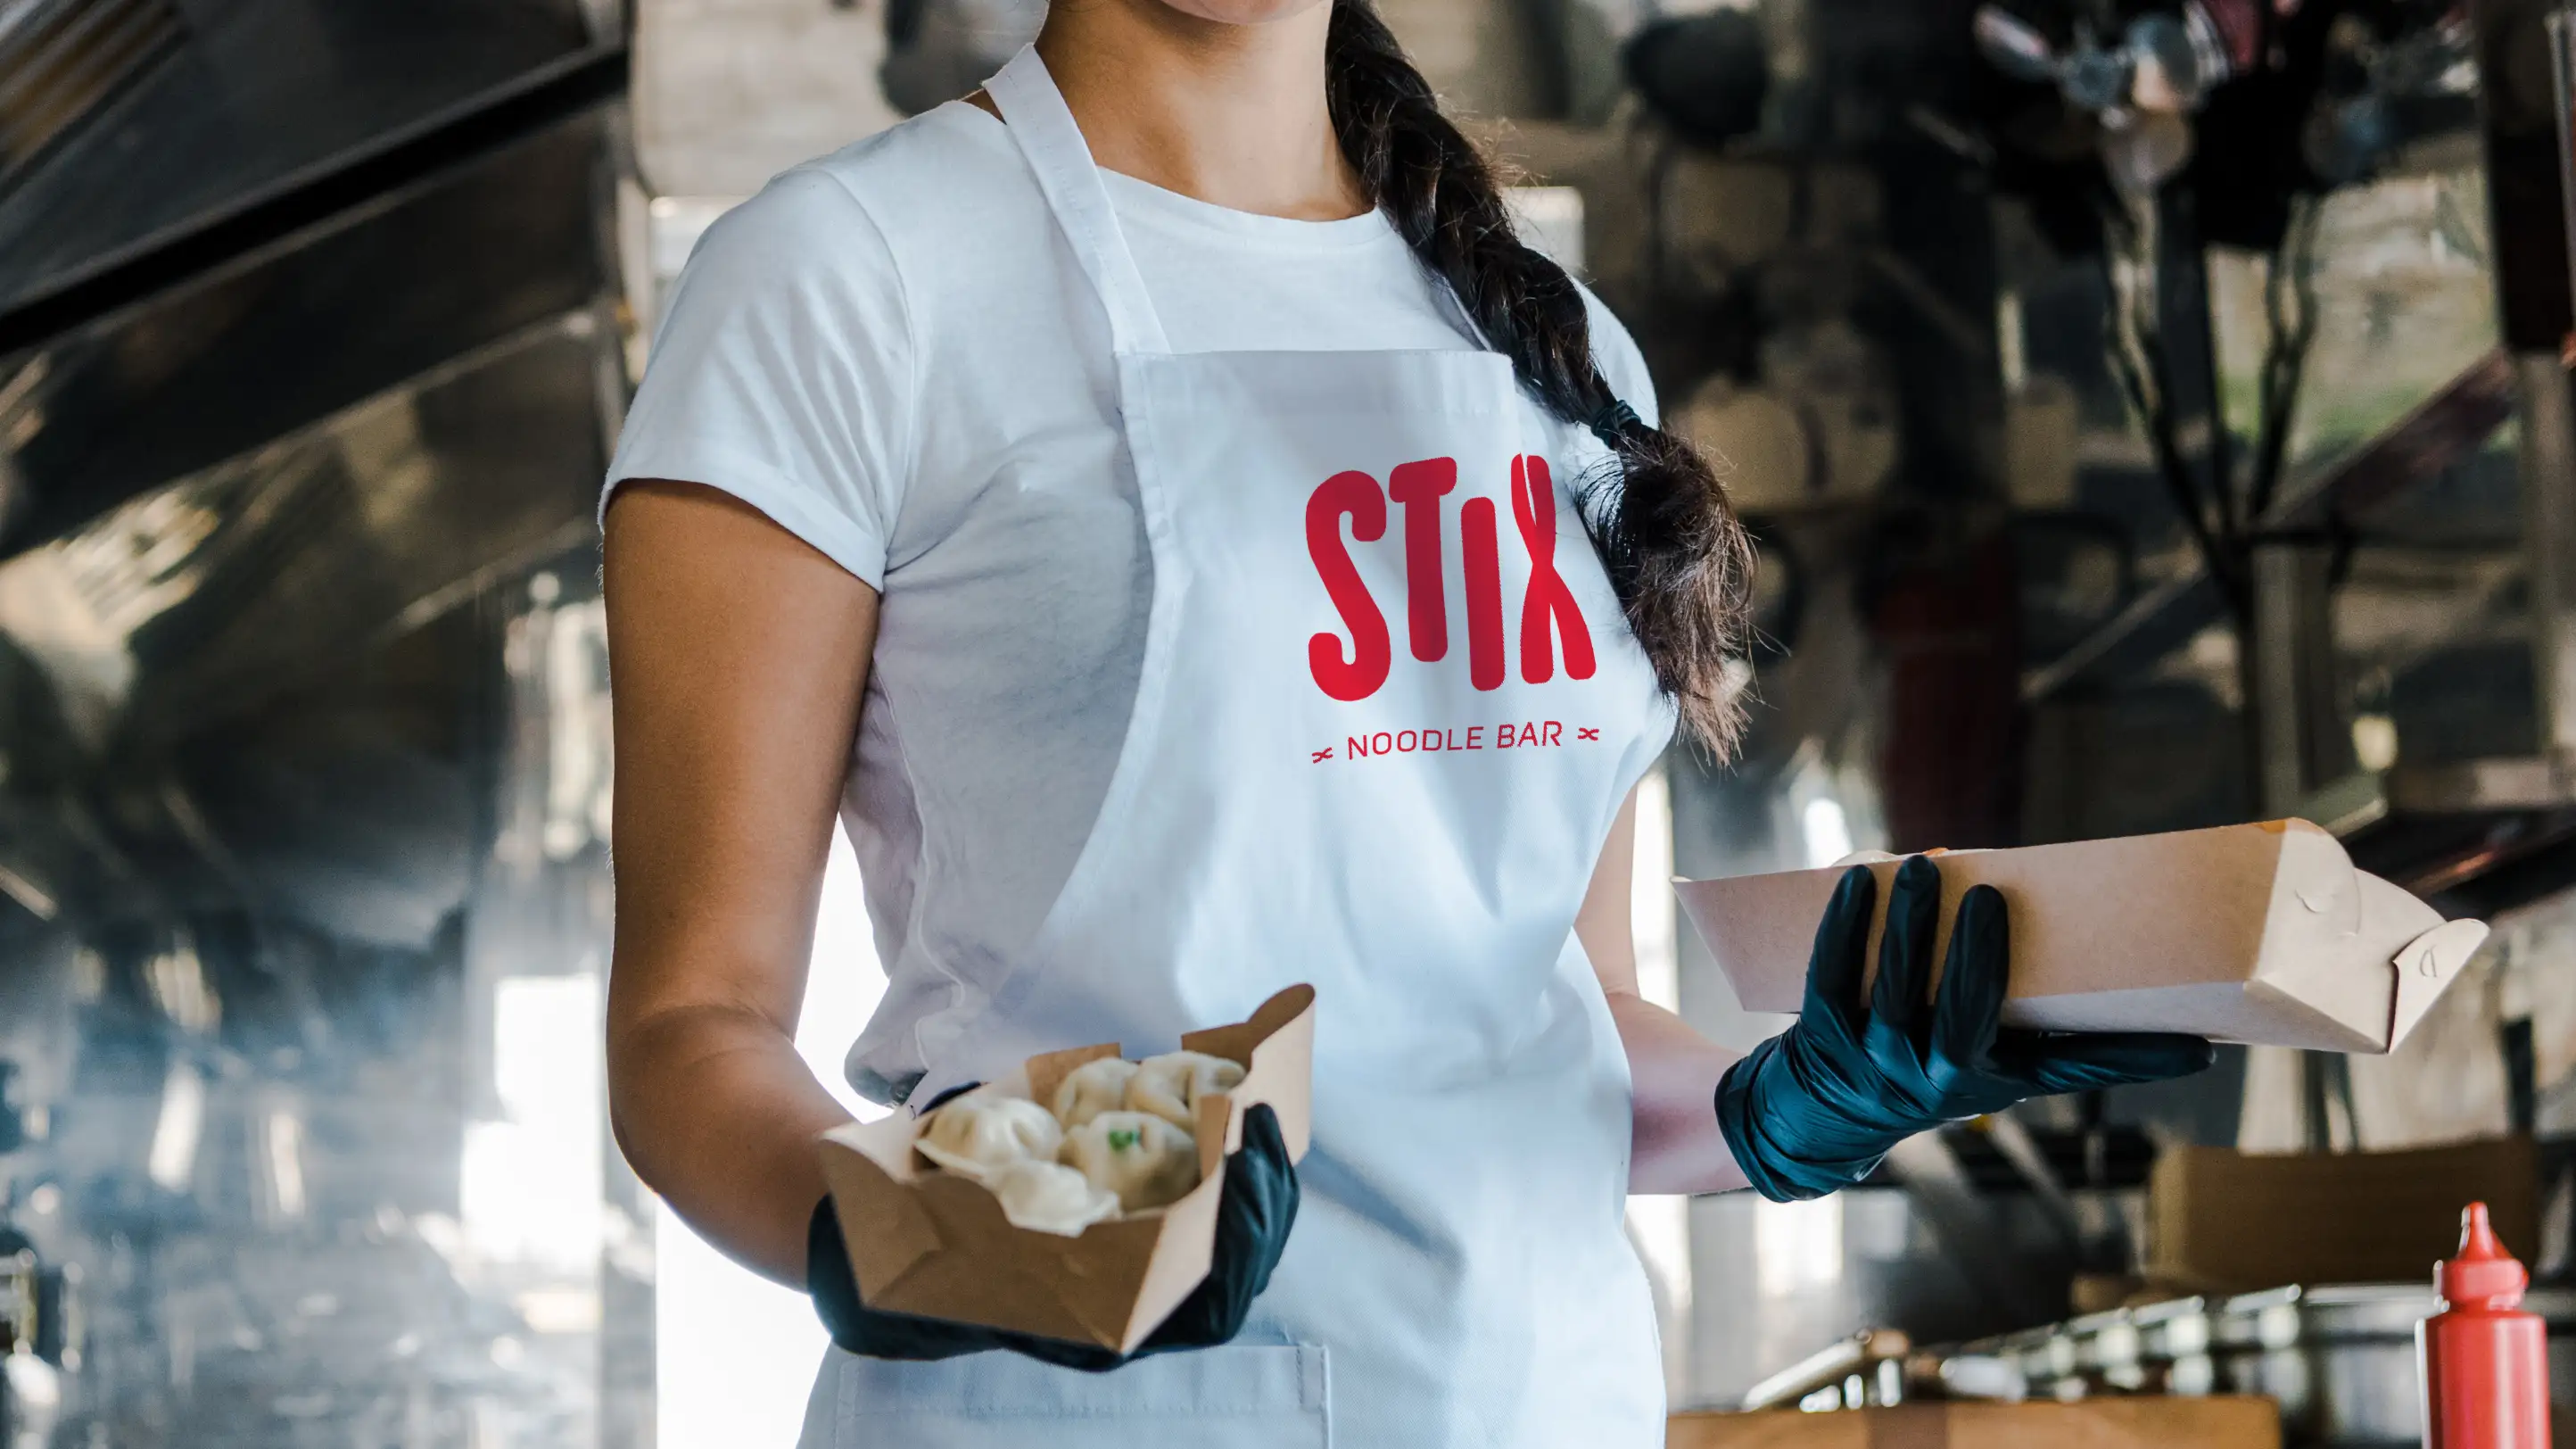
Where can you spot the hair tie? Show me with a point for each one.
(1614, 423)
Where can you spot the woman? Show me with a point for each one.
(1198, 549)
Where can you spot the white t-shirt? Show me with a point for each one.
(892, 353)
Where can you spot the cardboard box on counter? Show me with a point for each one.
(2225, 1222)
(2103, 1423)
(933, 1244)
(2264, 934)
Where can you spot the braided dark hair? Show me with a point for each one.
(1681, 563)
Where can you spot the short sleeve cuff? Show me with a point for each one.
(785, 502)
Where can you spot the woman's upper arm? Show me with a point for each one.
(739, 654)
(784, 372)
(741, 620)
(1606, 923)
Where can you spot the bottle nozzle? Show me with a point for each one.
(2477, 1235)
(2483, 1274)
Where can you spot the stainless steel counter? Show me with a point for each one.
(2340, 1359)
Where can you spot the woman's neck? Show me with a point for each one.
(1230, 114)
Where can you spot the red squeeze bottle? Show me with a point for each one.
(2482, 1362)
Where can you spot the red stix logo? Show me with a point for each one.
(1355, 669)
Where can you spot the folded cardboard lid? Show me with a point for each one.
(929, 1243)
(2252, 933)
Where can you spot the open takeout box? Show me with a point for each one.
(936, 1245)
(2265, 934)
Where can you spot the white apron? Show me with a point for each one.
(1387, 712)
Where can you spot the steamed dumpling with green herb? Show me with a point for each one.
(979, 1134)
(1169, 1086)
(1049, 1197)
(1095, 1087)
(1143, 1159)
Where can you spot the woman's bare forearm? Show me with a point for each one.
(739, 656)
(1673, 1071)
(718, 1114)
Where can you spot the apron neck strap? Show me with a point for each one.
(1040, 122)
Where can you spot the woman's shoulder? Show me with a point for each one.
(944, 173)
(901, 216)
(955, 143)
(1616, 354)
(863, 229)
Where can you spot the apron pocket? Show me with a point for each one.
(1237, 1396)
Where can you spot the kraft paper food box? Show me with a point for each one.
(2263, 934)
(935, 1245)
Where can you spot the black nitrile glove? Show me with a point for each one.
(1253, 1217)
(1816, 1107)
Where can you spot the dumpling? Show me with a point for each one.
(1169, 1086)
(1095, 1087)
(1051, 1198)
(977, 1135)
(1145, 1160)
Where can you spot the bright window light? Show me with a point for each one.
(532, 1186)
(1827, 829)
(172, 1160)
(1660, 1225)
(1797, 1246)
(1651, 905)
(2374, 741)
(736, 1353)
(285, 1142)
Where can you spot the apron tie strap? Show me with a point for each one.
(1060, 158)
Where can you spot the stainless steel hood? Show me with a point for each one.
(259, 96)
(305, 335)
(304, 205)
(310, 355)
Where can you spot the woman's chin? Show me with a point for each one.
(1244, 12)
